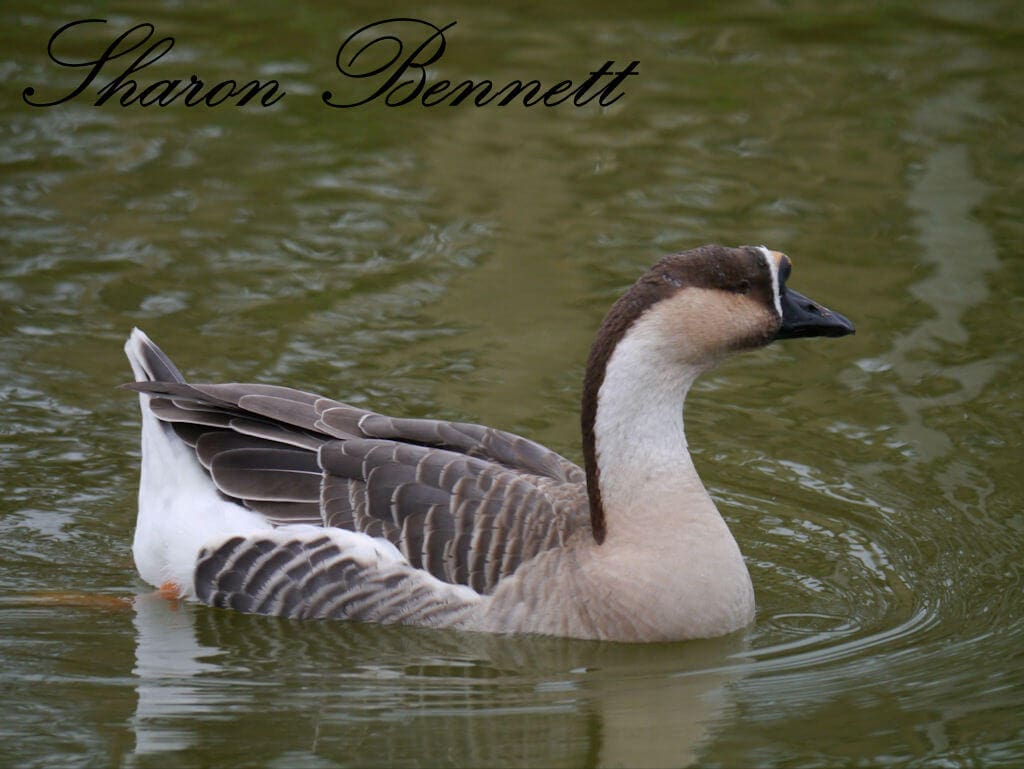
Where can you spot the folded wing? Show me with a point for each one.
(465, 503)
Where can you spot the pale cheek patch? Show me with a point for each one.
(700, 325)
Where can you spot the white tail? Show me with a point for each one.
(180, 509)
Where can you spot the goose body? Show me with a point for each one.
(271, 500)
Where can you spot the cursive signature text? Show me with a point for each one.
(128, 91)
(397, 73)
(386, 61)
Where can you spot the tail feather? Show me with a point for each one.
(149, 363)
(179, 507)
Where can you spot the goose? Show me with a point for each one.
(270, 500)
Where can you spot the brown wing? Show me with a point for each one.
(466, 520)
(464, 502)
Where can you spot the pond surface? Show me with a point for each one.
(455, 262)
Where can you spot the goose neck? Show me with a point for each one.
(639, 470)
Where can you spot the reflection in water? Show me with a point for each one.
(959, 251)
(446, 697)
(926, 555)
(167, 661)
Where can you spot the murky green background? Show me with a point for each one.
(456, 262)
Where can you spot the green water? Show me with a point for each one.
(455, 262)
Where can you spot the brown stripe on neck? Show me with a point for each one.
(727, 269)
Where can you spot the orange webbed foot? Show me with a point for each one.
(169, 590)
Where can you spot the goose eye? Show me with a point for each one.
(743, 287)
(785, 267)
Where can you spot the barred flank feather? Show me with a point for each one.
(308, 573)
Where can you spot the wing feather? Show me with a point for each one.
(465, 503)
(279, 475)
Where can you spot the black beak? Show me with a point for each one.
(803, 317)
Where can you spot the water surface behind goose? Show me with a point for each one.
(455, 262)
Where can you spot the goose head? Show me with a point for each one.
(684, 315)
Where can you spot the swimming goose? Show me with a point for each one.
(270, 500)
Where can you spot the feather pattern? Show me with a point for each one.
(305, 572)
(467, 504)
(465, 520)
